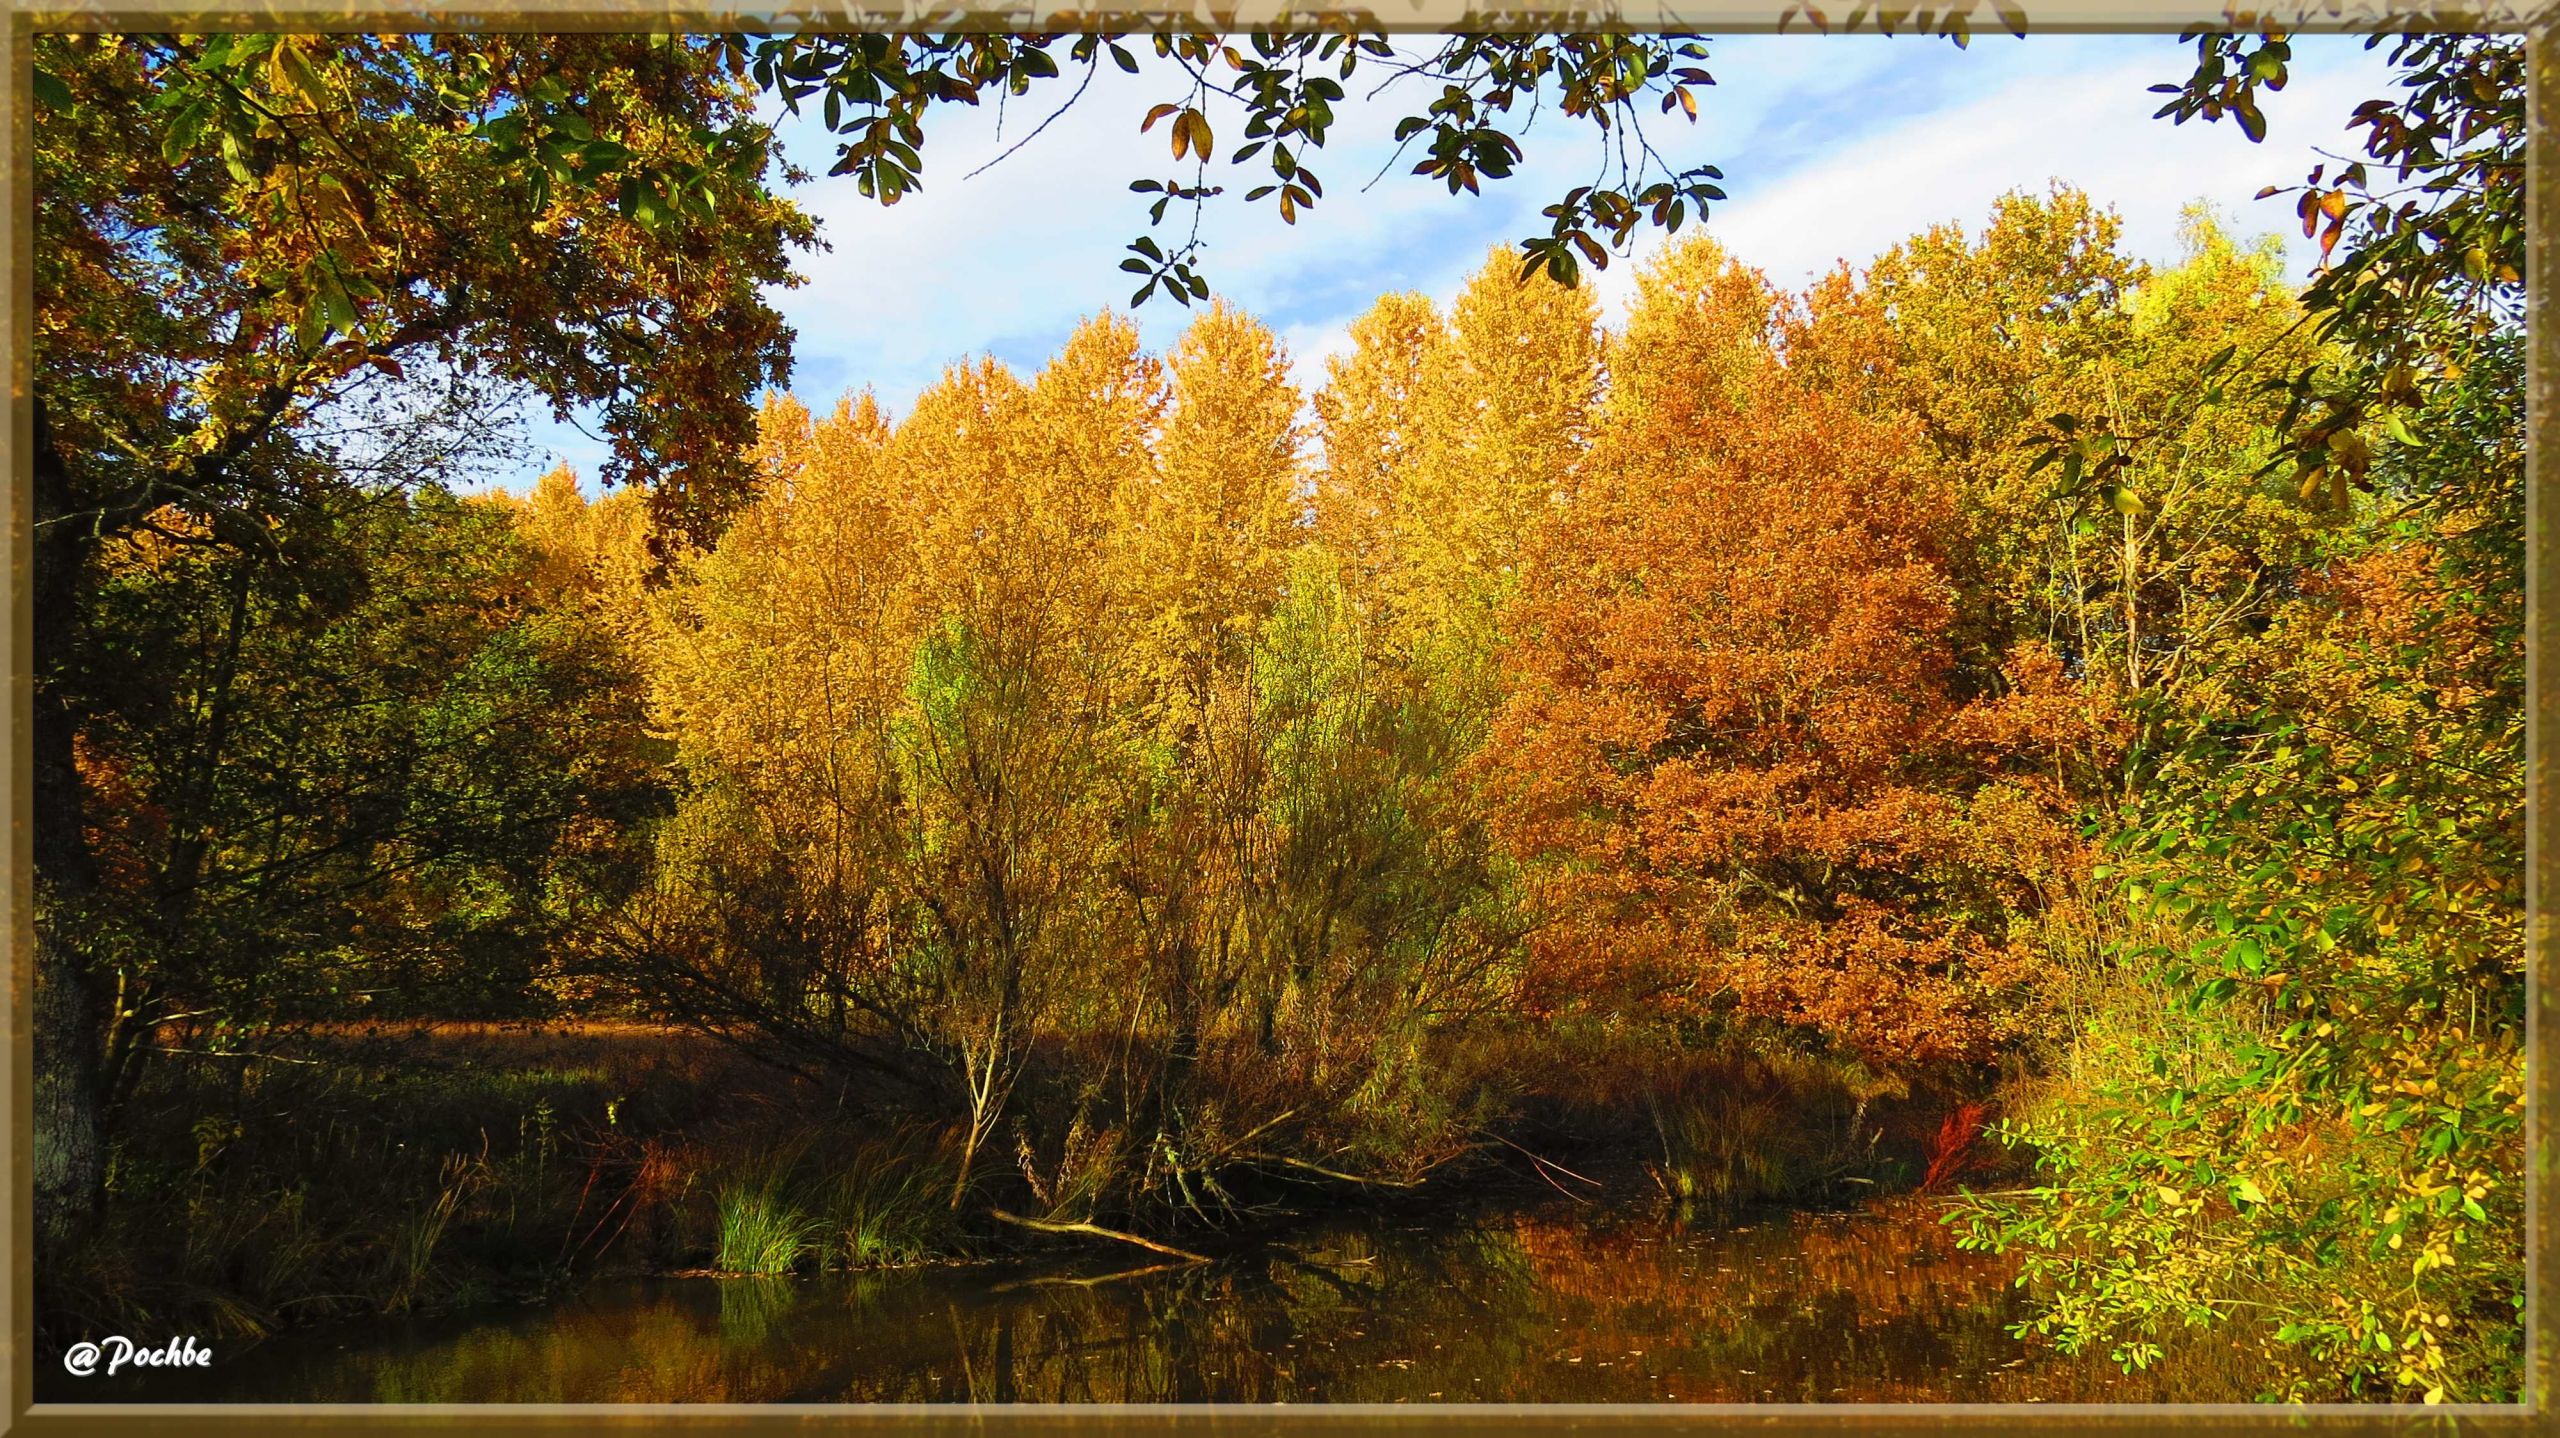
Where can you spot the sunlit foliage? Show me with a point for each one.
(2008, 672)
(1734, 740)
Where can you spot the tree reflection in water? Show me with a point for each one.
(1546, 1305)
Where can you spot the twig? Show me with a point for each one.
(1334, 1173)
(1042, 1225)
(1260, 1129)
(1541, 1162)
(1541, 1172)
(1008, 154)
(243, 1054)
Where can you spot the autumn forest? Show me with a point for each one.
(2009, 728)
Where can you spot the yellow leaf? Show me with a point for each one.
(289, 70)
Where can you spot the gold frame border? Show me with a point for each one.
(1985, 18)
(2539, 20)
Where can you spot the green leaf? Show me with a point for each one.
(338, 307)
(311, 324)
(49, 90)
(299, 75)
(184, 129)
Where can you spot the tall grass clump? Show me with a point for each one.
(414, 1242)
(1740, 1129)
(760, 1232)
(888, 1204)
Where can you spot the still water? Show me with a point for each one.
(1546, 1304)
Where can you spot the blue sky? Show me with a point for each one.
(1833, 148)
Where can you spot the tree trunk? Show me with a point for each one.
(70, 1170)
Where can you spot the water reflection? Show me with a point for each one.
(1550, 1305)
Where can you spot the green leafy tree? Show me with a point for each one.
(2422, 244)
(362, 785)
(2300, 1106)
(2133, 579)
(246, 241)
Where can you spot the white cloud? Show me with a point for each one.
(1008, 261)
(1309, 347)
(1833, 147)
(2094, 130)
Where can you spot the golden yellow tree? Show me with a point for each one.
(1367, 418)
(1499, 422)
(1206, 540)
(990, 742)
(1701, 329)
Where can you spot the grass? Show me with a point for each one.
(1742, 1128)
(888, 1204)
(374, 1171)
(760, 1233)
(414, 1242)
(378, 1171)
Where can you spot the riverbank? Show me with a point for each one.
(387, 1170)
(1494, 1302)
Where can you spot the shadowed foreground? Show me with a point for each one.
(1558, 1304)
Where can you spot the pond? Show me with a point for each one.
(1540, 1304)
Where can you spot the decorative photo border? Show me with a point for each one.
(1712, 16)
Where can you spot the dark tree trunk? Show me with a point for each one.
(69, 1168)
(69, 1162)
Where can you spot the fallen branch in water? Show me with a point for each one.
(1042, 1225)
(1545, 1164)
(1335, 1174)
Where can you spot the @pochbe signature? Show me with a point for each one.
(118, 1352)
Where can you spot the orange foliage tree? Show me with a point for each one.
(1735, 746)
